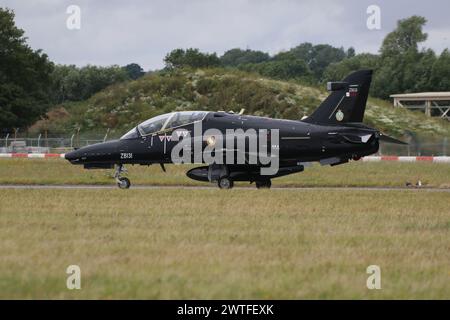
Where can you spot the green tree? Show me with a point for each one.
(401, 62)
(24, 76)
(316, 57)
(236, 57)
(284, 69)
(338, 70)
(405, 38)
(71, 83)
(417, 75)
(440, 73)
(190, 58)
(134, 71)
(351, 52)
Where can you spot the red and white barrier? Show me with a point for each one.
(407, 159)
(365, 159)
(31, 155)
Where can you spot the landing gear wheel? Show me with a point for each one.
(225, 183)
(263, 184)
(123, 183)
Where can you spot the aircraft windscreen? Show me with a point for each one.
(170, 120)
(184, 117)
(154, 124)
(132, 134)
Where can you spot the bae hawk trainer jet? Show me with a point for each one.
(333, 134)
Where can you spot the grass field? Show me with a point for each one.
(245, 243)
(179, 243)
(59, 171)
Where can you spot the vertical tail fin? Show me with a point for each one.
(347, 102)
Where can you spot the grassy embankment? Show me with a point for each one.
(121, 107)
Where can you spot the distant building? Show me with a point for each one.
(433, 104)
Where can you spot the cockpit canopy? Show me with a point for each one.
(164, 122)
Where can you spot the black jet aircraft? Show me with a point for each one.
(333, 134)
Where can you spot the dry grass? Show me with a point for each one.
(182, 243)
(59, 171)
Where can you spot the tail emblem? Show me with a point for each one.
(339, 115)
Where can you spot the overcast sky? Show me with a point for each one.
(120, 32)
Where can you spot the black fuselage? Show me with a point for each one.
(298, 142)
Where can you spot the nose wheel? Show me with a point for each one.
(122, 182)
(225, 183)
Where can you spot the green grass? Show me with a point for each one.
(188, 244)
(59, 171)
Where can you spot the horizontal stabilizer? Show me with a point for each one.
(388, 139)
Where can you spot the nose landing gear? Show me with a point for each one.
(225, 183)
(122, 182)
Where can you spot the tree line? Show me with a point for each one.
(30, 83)
(70, 83)
(400, 66)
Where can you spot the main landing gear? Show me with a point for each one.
(263, 184)
(122, 182)
(228, 183)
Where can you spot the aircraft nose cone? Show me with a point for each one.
(100, 152)
(72, 156)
